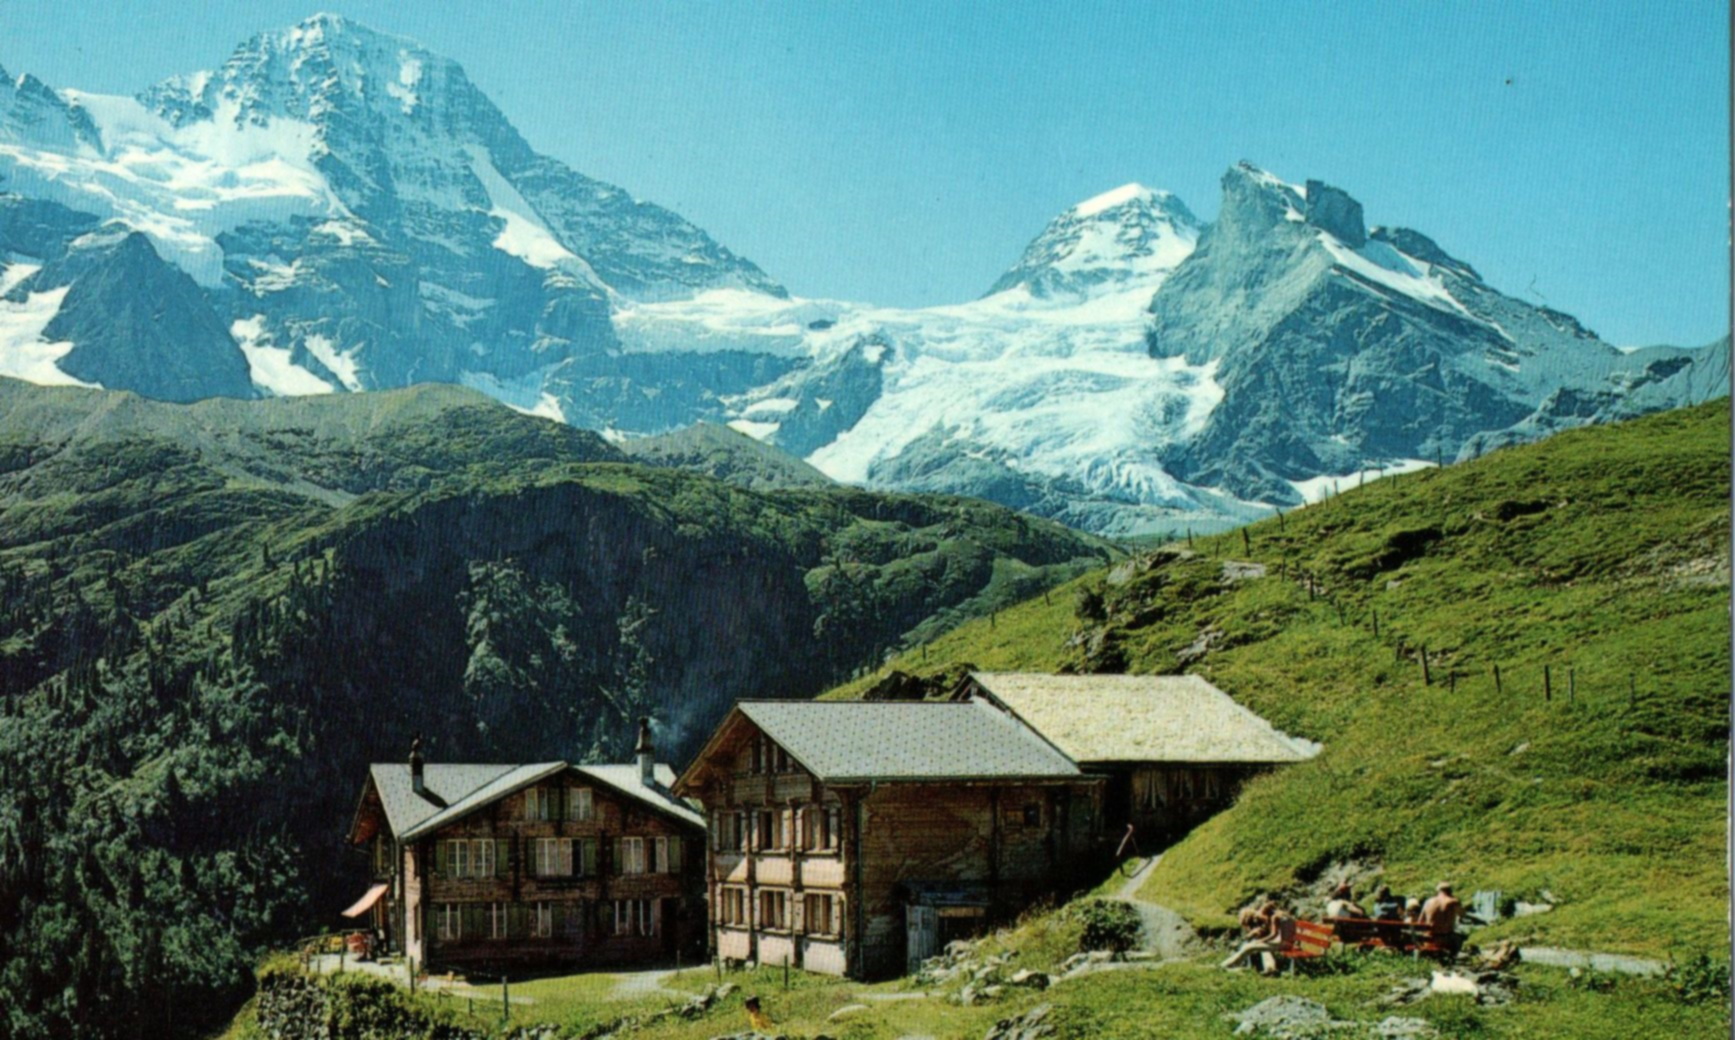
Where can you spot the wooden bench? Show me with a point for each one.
(1303, 940)
(1403, 936)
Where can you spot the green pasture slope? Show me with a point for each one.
(1600, 555)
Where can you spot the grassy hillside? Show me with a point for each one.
(1600, 555)
(212, 617)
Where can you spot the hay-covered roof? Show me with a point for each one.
(1139, 718)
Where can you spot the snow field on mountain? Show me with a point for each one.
(182, 187)
(23, 352)
(271, 367)
(1316, 489)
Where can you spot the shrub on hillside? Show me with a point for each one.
(1109, 924)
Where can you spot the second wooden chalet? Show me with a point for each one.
(534, 865)
(856, 838)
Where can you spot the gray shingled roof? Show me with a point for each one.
(462, 788)
(625, 779)
(495, 789)
(449, 783)
(845, 741)
(1140, 718)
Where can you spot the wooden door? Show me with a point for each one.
(923, 927)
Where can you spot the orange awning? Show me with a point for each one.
(366, 902)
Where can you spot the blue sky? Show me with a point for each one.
(1576, 153)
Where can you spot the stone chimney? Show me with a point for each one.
(647, 755)
(417, 784)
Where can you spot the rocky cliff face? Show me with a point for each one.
(1338, 348)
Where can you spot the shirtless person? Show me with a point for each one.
(1440, 914)
(1263, 929)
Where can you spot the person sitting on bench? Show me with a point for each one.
(1412, 910)
(1342, 903)
(1264, 929)
(1387, 907)
(1440, 914)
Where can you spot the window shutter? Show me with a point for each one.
(788, 841)
(618, 861)
(517, 926)
(502, 857)
(587, 852)
(797, 914)
(674, 864)
(836, 916)
(439, 859)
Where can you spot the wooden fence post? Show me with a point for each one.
(1547, 685)
(1246, 542)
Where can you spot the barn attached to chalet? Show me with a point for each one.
(1172, 750)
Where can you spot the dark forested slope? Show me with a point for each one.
(215, 615)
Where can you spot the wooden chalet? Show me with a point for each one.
(531, 865)
(1172, 749)
(856, 838)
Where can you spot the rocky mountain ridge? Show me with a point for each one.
(335, 209)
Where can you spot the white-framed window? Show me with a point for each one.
(731, 831)
(542, 923)
(822, 914)
(666, 855)
(732, 909)
(539, 803)
(580, 804)
(551, 857)
(636, 917)
(496, 920)
(821, 827)
(771, 833)
(450, 920)
(632, 856)
(469, 857)
(773, 909)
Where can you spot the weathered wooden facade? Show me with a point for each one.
(546, 864)
(1172, 750)
(855, 838)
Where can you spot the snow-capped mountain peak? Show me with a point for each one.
(1124, 240)
(318, 67)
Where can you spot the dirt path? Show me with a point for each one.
(1162, 932)
(631, 985)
